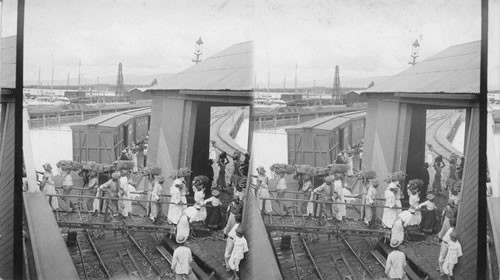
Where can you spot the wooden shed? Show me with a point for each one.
(101, 139)
(318, 141)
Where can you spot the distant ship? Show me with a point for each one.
(46, 100)
(268, 103)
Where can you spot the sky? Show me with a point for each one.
(147, 36)
(366, 38)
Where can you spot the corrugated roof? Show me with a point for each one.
(116, 121)
(8, 60)
(328, 122)
(230, 69)
(113, 119)
(454, 70)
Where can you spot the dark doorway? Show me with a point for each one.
(125, 135)
(341, 139)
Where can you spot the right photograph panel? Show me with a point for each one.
(366, 140)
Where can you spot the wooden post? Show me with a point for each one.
(263, 206)
(320, 214)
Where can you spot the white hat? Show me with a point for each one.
(180, 238)
(395, 243)
(178, 182)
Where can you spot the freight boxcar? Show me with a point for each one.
(317, 142)
(101, 139)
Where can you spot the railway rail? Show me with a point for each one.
(434, 122)
(109, 255)
(316, 257)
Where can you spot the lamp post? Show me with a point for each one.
(197, 50)
(414, 53)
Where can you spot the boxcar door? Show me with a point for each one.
(341, 139)
(125, 136)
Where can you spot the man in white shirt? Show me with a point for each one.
(181, 260)
(230, 241)
(396, 262)
(444, 245)
(239, 249)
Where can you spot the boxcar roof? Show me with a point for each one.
(113, 119)
(327, 123)
(230, 69)
(453, 70)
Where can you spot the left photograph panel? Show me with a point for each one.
(11, 88)
(136, 138)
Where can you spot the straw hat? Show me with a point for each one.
(180, 239)
(430, 196)
(412, 210)
(215, 193)
(395, 243)
(161, 179)
(197, 206)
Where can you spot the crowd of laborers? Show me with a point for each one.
(421, 215)
(105, 198)
(236, 244)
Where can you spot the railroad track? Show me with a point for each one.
(218, 119)
(434, 122)
(344, 258)
(121, 255)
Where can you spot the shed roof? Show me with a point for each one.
(8, 60)
(113, 119)
(230, 69)
(454, 70)
(329, 122)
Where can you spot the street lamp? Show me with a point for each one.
(197, 50)
(414, 53)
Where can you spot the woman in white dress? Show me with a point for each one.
(183, 228)
(263, 190)
(125, 193)
(307, 189)
(154, 195)
(199, 198)
(48, 186)
(350, 171)
(178, 201)
(339, 197)
(394, 184)
(414, 201)
(390, 214)
(134, 159)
